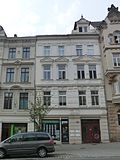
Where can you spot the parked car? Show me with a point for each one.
(39, 143)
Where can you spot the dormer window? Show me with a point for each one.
(83, 29)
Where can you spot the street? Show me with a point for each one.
(107, 151)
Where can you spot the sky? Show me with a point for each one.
(43, 17)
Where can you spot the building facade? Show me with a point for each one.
(110, 45)
(17, 87)
(69, 76)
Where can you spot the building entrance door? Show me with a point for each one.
(90, 131)
(64, 131)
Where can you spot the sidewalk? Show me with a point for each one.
(90, 150)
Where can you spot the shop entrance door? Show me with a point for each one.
(90, 131)
(64, 131)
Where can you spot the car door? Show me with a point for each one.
(14, 144)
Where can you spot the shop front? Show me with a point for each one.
(8, 129)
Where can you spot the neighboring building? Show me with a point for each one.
(69, 76)
(17, 87)
(110, 45)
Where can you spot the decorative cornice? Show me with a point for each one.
(47, 59)
(61, 59)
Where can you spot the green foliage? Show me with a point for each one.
(37, 112)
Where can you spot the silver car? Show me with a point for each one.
(39, 143)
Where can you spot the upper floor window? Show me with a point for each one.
(47, 72)
(92, 72)
(47, 98)
(26, 53)
(82, 97)
(12, 53)
(62, 98)
(10, 75)
(116, 86)
(94, 97)
(61, 71)
(90, 49)
(61, 50)
(79, 50)
(116, 37)
(23, 102)
(83, 29)
(46, 50)
(116, 59)
(24, 74)
(8, 100)
(118, 118)
(80, 71)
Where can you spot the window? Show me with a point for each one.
(92, 72)
(61, 71)
(116, 37)
(12, 53)
(94, 98)
(47, 72)
(47, 98)
(26, 53)
(116, 86)
(90, 49)
(116, 59)
(62, 98)
(23, 102)
(24, 74)
(46, 50)
(10, 75)
(61, 50)
(79, 50)
(83, 29)
(80, 71)
(82, 97)
(8, 100)
(118, 118)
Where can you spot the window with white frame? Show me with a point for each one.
(47, 98)
(26, 53)
(61, 71)
(12, 53)
(79, 50)
(80, 71)
(10, 75)
(82, 97)
(92, 71)
(116, 59)
(116, 37)
(8, 96)
(46, 50)
(62, 98)
(94, 97)
(83, 29)
(47, 72)
(61, 50)
(90, 49)
(23, 101)
(116, 86)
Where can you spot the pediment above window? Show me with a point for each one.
(16, 87)
(61, 59)
(47, 59)
(87, 58)
(18, 62)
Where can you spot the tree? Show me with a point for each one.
(37, 112)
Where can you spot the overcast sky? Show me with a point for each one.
(36, 17)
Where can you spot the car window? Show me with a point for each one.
(42, 136)
(16, 138)
(28, 137)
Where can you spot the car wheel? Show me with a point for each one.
(42, 152)
(2, 153)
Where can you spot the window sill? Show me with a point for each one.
(47, 79)
(62, 79)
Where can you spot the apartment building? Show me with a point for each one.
(17, 87)
(110, 45)
(69, 77)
